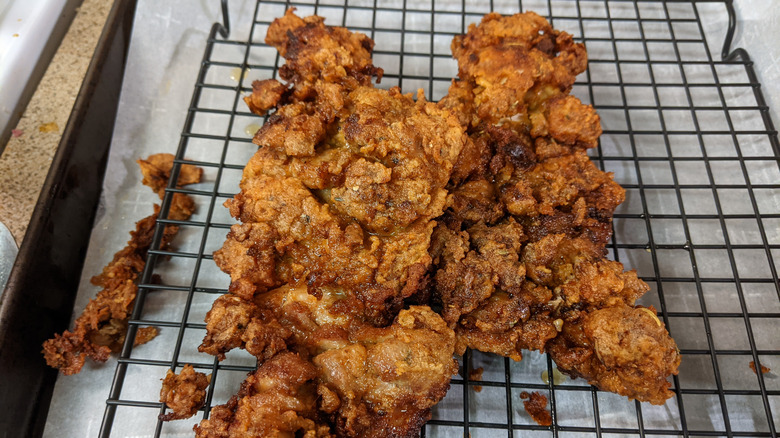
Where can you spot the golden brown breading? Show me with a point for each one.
(357, 213)
(277, 400)
(620, 349)
(520, 250)
(535, 404)
(102, 326)
(183, 393)
(315, 52)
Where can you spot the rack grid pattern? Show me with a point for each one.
(686, 133)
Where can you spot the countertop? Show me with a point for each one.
(28, 154)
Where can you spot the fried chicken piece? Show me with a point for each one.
(183, 393)
(525, 165)
(102, 326)
(764, 369)
(605, 338)
(315, 52)
(370, 381)
(620, 349)
(535, 404)
(277, 400)
(489, 58)
(385, 380)
(357, 213)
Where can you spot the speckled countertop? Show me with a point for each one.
(28, 155)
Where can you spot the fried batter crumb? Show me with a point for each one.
(536, 405)
(183, 393)
(764, 369)
(475, 375)
(102, 327)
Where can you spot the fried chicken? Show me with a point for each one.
(535, 404)
(102, 326)
(520, 251)
(183, 393)
(277, 400)
(336, 214)
(369, 381)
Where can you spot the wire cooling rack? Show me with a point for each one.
(686, 132)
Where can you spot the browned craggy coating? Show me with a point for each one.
(183, 393)
(346, 183)
(535, 404)
(102, 326)
(519, 253)
(336, 213)
(368, 381)
(277, 400)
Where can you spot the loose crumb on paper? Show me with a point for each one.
(475, 375)
(535, 404)
(764, 369)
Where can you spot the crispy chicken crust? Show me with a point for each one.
(277, 400)
(535, 405)
(520, 252)
(102, 326)
(336, 214)
(341, 225)
(183, 393)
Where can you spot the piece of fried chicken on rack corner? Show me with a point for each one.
(363, 380)
(519, 253)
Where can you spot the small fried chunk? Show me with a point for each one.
(183, 393)
(265, 95)
(764, 369)
(101, 328)
(619, 349)
(277, 400)
(535, 404)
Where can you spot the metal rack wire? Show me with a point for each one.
(686, 132)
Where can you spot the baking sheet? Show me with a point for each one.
(165, 54)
